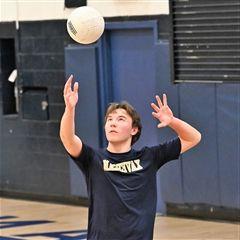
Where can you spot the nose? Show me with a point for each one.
(113, 124)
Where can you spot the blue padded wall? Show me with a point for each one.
(209, 173)
(81, 62)
(228, 125)
(200, 165)
(170, 175)
(133, 75)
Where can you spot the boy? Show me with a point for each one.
(121, 181)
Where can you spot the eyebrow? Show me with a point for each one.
(122, 116)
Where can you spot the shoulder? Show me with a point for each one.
(87, 152)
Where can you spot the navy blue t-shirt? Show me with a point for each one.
(122, 190)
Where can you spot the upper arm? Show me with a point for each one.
(167, 151)
(74, 147)
(186, 145)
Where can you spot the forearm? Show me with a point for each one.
(67, 127)
(184, 130)
(71, 142)
(188, 135)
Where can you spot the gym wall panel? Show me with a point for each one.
(133, 75)
(170, 175)
(81, 62)
(200, 164)
(228, 144)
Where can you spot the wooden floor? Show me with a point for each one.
(36, 220)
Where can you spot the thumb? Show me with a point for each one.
(155, 115)
(160, 125)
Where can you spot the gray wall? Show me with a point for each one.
(32, 157)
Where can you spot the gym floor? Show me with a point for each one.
(20, 219)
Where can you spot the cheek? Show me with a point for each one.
(126, 129)
(105, 127)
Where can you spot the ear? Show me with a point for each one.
(134, 131)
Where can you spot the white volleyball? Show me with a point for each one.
(85, 25)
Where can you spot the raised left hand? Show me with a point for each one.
(162, 111)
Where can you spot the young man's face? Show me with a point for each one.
(118, 127)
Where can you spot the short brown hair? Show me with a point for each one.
(136, 121)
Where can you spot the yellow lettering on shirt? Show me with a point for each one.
(125, 167)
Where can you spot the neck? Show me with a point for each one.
(118, 147)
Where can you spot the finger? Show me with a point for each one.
(68, 84)
(155, 107)
(160, 125)
(75, 87)
(155, 115)
(159, 101)
(164, 99)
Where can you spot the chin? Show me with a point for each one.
(110, 140)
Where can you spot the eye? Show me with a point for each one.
(121, 119)
(109, 119)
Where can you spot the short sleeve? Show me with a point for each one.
(84, 159)
(166, 152)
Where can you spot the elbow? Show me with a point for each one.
(198, 138)
(186, 145)
(61, 136)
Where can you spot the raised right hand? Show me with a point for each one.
(70, 96)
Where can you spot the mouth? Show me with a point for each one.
(113, 131)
